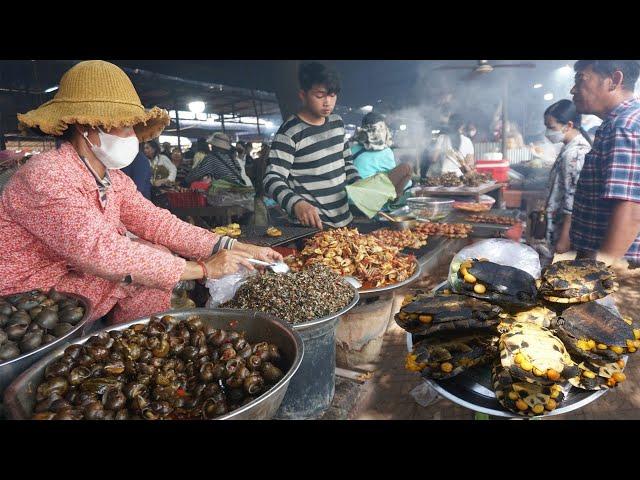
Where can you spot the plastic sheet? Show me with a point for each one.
(370, 194)
(497, 250)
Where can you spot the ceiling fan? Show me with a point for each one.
(483, 67)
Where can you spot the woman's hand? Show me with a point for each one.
(265, 254)
(227, 262)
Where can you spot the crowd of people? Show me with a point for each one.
(76, 218)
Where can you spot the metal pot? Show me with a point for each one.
(19, 398)
(10, 369)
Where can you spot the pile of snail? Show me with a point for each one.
(165, 369)
(33, 319)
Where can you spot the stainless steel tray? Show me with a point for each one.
(473, 389)
(370, 292)
(19, 398)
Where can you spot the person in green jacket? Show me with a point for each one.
(372, 153)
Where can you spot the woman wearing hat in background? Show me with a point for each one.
(220, 164)
(371, 154)
(65, 215)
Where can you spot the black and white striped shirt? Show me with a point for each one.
(312, 163)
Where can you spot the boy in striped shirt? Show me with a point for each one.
(310, 162)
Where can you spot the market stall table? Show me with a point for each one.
(216, 215)
(473, 192)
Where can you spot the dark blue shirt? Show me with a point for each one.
(140, 173)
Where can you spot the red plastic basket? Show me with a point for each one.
(186, 199)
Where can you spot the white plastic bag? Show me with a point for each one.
(224, 289)
(501, 251)
(425, 395)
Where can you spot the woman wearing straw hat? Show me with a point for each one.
(66, 215)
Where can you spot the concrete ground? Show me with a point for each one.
(386, 396)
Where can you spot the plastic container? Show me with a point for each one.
(499, 169)
(429, 208)
(188, 199)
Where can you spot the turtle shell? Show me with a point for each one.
(428, 314)
(598, 377)
(541, 316)
(593, 332)
(577, 281)
(511, 288)
(535, 354)
(442, 357)
(524, 398)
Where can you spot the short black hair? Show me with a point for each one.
(630, 69)
(315, 73)
(564, 112)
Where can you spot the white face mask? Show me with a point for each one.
(554, 136)
(114, 152)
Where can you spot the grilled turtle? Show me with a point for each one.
(541, 316)
(509, 287)
(442, 357)
(428, 314)
(524, 398)
(593, 332)
(597, 377)
(534, 354)
(577, 281)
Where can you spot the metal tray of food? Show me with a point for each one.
(257, 235)
(371, 292)
(10, 369)
(19, 398)
(473, 389)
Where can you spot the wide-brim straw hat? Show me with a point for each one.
(99, 94)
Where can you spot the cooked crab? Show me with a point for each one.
(597, 377)
(541, 316)
(428, 314)
(509, 287)
(444, 357)
(534, 354)
(274, 232)
(575, 281)
(593, 332)
(524, 398)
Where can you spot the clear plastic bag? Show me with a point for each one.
(224, 289)
(497, 250)
(425, 395)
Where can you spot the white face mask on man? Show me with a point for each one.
(114, 152)
(554, 136)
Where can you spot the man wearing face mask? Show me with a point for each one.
(65, 216)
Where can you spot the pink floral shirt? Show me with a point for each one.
(54, 229)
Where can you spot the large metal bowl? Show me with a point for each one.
(19, 398)
(10, 369)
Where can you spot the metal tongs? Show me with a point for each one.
(277, 267)
(281, 267)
